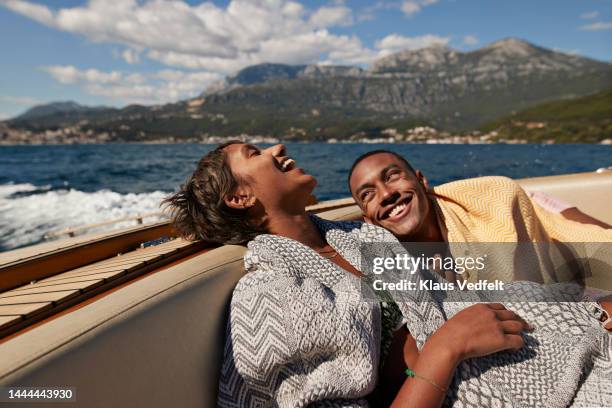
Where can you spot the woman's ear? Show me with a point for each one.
(241, 199)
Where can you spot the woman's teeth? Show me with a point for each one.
(397, 210)
(287, 164)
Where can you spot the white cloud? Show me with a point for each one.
(157, 87)
(411, 7)
(393, 43)
(20, 100)
(209, 39)
(597, 26)
(590, 15)
(68, 74)
(369, 13)
(4, 116)
(130, 56)
(470, 40)
(203, 36)
(331, 16)
(35, 11)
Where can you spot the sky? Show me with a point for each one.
(118, 52)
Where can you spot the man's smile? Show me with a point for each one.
(398, 210)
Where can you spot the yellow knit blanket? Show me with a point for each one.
(497, 209)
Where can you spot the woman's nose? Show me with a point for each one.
(277, 150)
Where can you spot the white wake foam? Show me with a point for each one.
(25, 219)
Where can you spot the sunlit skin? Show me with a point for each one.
(380, 183)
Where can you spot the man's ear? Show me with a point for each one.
(241, 199)
(422, 179)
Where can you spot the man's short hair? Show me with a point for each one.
(372, 153)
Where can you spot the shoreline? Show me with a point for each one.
(256, 140)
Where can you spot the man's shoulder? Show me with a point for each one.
(483, 185)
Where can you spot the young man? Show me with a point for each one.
(393, 195)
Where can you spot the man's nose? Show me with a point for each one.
(388, 195)
(276, 150)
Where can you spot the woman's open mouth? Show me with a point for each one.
(287, 164)
(399, 210)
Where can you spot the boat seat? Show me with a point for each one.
(591, 193)
(156, 342)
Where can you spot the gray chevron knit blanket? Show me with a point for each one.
(301, 334)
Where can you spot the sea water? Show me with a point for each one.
(49, 188)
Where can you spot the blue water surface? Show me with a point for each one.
(140, 168)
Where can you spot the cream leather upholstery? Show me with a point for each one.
(590, 192)
(158, 342)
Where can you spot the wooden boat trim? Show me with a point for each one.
(36, 267)
(25, 265)
(16, 313)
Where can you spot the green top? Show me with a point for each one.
(390, 317)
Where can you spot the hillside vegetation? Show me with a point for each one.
(585, 119)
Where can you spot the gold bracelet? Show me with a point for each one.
(411, 373)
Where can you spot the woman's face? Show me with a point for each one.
(271, 176)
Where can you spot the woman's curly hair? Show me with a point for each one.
(198, 209)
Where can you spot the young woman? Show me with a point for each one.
(301, 334)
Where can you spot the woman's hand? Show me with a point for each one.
(476, 331)
(480, 330)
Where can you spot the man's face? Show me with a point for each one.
(390, 195)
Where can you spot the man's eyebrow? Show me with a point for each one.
(382, 174)
(389, 167)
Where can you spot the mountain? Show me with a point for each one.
(262, 73)
(437, 86)
(584, 119)
(449, 88)
(53, 109)
(56, 114)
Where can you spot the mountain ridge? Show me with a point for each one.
(437, 85)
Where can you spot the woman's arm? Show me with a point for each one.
(569, 211)
(476, 331)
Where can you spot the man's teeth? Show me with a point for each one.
(287, 163)
(396, 210)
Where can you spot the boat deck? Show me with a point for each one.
(26, 304)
